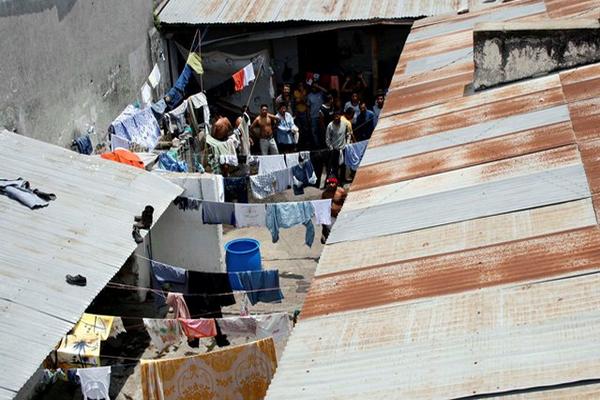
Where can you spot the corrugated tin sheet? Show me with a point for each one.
(86, 230)
(265, 11)
(466, 259)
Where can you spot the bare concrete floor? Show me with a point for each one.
(295, 261)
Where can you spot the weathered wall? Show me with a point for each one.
(506, 52)
(69, 63)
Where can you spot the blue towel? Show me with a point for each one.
(353, 153)
(254, 282)
(214, 212)
(171, 164)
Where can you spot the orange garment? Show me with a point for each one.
(124, 156)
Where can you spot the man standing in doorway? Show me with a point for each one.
(286, 130)
(264, 123)
(337, 135)
(365, 123)
(285, 98)
(353, 103)
(315, 101)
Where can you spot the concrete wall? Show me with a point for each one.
(67, 64)
(506, 52)
(179, 237)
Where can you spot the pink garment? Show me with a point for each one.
(199, 328)
(334, 83)
(179, 305)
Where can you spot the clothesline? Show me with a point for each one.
(257, 204)
(172, 266)
(124, 286)
(257, 157)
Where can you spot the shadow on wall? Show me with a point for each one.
(11, 8)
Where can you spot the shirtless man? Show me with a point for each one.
(221, 128)
(264, 122)
(337, 194)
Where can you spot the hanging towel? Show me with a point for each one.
(238, 327)
(92, 325)
(250, 215)
(180, 308)
(195, 61)
(276, 325)
(258, 285)
(199, 328)
(167, 277)
(95, 382)
(163, 332)
(215, 212)
(271, 163)
(117, 142)
(283, 179)
(286, 215)
(243, 77)
(243, 373)
(322, 211)
(353, 153)
(262, 186)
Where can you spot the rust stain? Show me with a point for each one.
(454, 119)
(581, 83)
(437, 45)
(570, 8)
(519, 261)
(585, 117)
(435, 162)
(427, 94)
(590, 155)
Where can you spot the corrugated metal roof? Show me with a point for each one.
(86, 230)
(265, 11)
(465, 260)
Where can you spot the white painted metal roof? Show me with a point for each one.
(265, 11)
(86, 230)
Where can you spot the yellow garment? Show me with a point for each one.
(91, 325)
(195, 61)
(75, 352)
(236, 373)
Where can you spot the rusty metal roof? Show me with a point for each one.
(465, 260)
(86, 230)
(265, 11)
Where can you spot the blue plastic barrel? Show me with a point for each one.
(242, 255)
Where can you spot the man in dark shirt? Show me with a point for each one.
(365, 123)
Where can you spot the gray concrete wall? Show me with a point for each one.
(507, 52)
(66, 64)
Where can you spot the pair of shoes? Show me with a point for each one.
(77, 280)
(144, 221)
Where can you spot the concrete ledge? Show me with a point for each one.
(510, 51)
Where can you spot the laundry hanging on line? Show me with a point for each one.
(137, 126)
(246, 374)
(206, 292)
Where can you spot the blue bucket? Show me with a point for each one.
(242, 255)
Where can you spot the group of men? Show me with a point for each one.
(312, 121)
